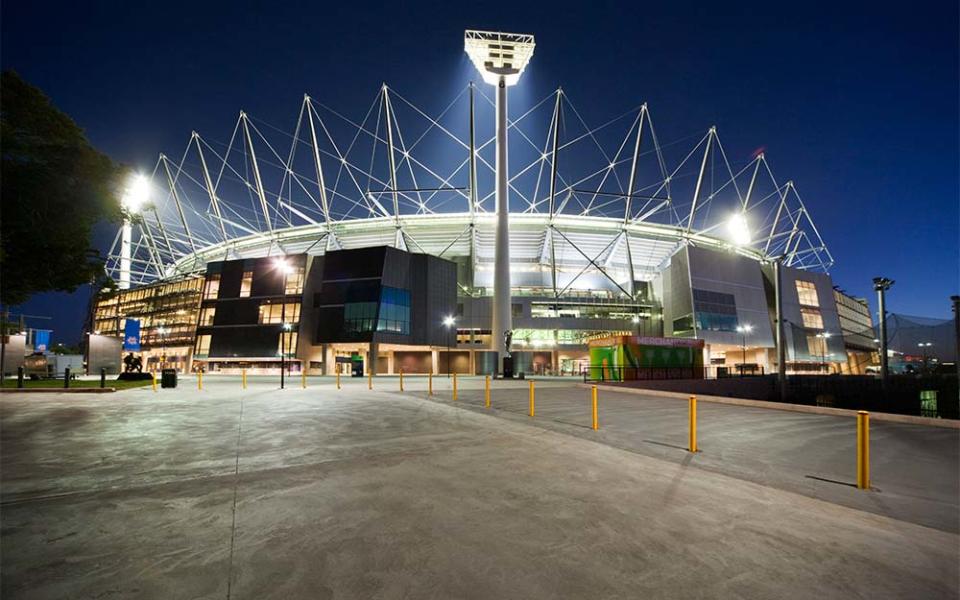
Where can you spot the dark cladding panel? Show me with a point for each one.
(245, 342)
(237, 312)
(354, 264)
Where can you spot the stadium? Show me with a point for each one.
(444, 237)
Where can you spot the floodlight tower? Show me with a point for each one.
(134, 197)
(500, 58)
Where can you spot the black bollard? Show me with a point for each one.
(103, 377)
(66, 377)
(20, 377)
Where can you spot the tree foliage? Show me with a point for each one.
(55, 187)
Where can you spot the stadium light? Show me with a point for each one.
(500, 58)
(738, 229)
(137, 194)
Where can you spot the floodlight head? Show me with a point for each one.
(496, 54)
(738, 229)
(635, 319)
(745, 328)
(136, 194)
(448, 321)
(882, 283)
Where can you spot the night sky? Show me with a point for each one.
(857, 103)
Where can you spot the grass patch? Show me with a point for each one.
(76, 383)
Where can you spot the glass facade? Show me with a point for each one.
(172, 306)
(807, 293)
(811, 317)
(394, 311)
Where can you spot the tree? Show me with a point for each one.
(55, 187)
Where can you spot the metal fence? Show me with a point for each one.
(601, 373)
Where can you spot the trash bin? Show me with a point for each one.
(168, 378)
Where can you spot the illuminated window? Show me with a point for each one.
(206, 316)
(276, 313)
(203, 346)
(294, 281)
(811, 318)
(807, 293)
(212, 287)
(245, 284)
(287, 344)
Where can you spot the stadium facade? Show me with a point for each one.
(351, 239)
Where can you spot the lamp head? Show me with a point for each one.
(738, 230)
(448, 321)
(136, 194)
(496, 54)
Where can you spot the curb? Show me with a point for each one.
(800, 408)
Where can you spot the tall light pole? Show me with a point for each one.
(285, 270)
(743, 330)
(881, 285)
(162, 332)
(500, 58)
(448, 323)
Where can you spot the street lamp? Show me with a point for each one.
(881, 285)
(285, 269)
(824, 336)
(448, 322)
(162, 331)
(743, 330)
(500, 58)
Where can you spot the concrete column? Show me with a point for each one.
(502, 317)
(434, 362)
(372, 358)
(326, 354)
(390, 369)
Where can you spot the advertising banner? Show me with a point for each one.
(131, 335)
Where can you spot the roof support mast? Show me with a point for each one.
(176, 200)
(703, 170)
(553, 189)
(388, 114)
(631, 187)
(208, 183)
(473, 182)
(324, 205)
(256, 172)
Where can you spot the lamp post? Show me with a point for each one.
(448, 322)
(924, 346)
(500, 58)
(881, 285)
(285, 270)
(135, 196)
(824, 336)
(743, 330)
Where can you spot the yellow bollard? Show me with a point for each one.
(486, 392)
(454, 387)
(596, 419)
(401, 380)
(338, 379)
(430, 383)
(303, 379)
(693, 424)
(243, 378)
(200, 379)
(369, 380)
(863, 450)
(153, 375)
(532, 409)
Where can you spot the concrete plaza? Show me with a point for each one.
(326, 493)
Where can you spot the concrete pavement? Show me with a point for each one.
(320, 493)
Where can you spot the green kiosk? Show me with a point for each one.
(630, 357)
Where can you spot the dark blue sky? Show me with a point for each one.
(857, 103)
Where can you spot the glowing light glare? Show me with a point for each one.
(137, 194)
(746, 328)
(635, 319)
(738, 229)
(448, 321)
(282, 265)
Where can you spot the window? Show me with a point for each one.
(287, 344)
(807, 293)
(516, 310)
(715, 311)
(811, 318)
(245, 284)
(276, 313)
(683, 325)
(294, 281)
(203, 346)
(394, 311)
(206, 315)
(212, 287)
